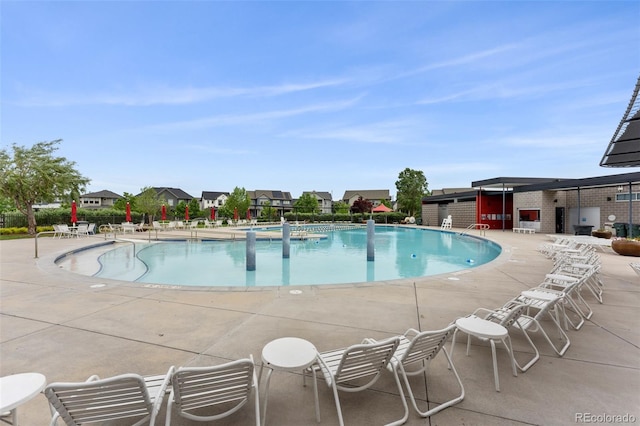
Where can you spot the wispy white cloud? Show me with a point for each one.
(384, 132)
(238, 119)
(161, 95)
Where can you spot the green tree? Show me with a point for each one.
(6, 204)
(412, 187)
(180, 209)
(268, 212)
(121, 203)
(238, 199)
(194, 208)
(340, 207)
(31, 175)
(148, 202)
(307, 203)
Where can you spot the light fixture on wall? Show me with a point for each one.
(620, 188)
(608, 198)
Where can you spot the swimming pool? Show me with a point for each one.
(338, 257)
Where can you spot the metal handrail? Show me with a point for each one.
(482, 227)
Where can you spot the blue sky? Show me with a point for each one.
(325, 95)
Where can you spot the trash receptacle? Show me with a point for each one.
(621, 229)
(635, 230)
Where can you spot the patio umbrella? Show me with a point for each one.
(248, 214)
(74, 212)
(186, 213)
(213, 213)
(235, 213)
(128, 214)
(164, 213)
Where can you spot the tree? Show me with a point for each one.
(238, 199)
(307, 203)
(194, 208)
(361, 206)
(340, 207)
(121, 203)
(148, 202)
(33, 175)
(412, 187)
(268, 212)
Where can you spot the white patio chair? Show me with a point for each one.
(541, 303)
(92, 229)
(224, 388)
(507, 316)
(57, 231)
(416, 350)
(82, 230)
(64, 231)
(113, 398)
(355, 368)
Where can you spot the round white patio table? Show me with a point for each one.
(288, 354)
(17, 389)
(486, 330)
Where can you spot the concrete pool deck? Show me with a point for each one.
(68, 327)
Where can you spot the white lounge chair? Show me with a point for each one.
(82, 230)
(355, 368)
(224, 388)
(507, 317)
(635, 267)
(541, 303)
(113, 398)
(412, 358)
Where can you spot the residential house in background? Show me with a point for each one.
(213, 199)
(376, 196)
(279, 200)
(99, 200)
(325, 200)
(173, 196)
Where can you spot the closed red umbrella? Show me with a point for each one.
(128, 214)
(164, 212)
(248, 214)
(74, 213)
(235, 213)
(186, 213)
(213, 213)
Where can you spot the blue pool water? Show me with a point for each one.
(341, 257)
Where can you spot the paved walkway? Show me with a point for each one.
(69, 327)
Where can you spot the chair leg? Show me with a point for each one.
(443, 405)
(335, 396)
(535, 358)
(402, 397)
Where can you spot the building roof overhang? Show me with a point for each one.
(511, 182)
(592, 182)
(624, 148)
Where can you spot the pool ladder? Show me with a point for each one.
(482, 227)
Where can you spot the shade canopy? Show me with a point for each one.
(381, 209)
(624, 148)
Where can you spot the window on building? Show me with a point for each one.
(622, 197)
